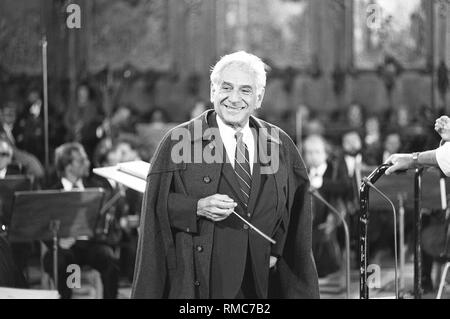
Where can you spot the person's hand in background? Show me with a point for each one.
(442, 126)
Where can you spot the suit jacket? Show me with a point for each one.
(170, 262)
(234, 246)
(13, 170)
(10, 274)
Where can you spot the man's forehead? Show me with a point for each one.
(314, 145)
(238, 74)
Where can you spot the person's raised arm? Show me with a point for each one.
(402, 162)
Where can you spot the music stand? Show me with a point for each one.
(49, 214)
(8, 186)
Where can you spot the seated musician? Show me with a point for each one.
(72, 166)
(333, 183)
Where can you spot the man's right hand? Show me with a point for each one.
(399, 162)
(216, 207)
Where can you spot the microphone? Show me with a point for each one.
(314, 192)
(367, 181)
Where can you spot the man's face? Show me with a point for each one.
(354, 114)
(8, 115)
(79, 167)
(235, 96)
(83, 94)
(315, 154)
(5, 155)
(126, 153)
(352, 143)
(392, 143)
(33, 96)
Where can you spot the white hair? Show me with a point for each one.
(241, 58)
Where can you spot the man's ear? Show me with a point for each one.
(260, 97)
(212, 92)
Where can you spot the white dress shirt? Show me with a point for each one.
(350, 161)
(3, 173)
(229, 141)
(66, 243)
(68, 185)
(443, 158)
(316, 175)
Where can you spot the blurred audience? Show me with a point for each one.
(83, 120)
(28, 163)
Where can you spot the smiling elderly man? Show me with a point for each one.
(209, 217)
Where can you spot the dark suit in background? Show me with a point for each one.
(10, 274)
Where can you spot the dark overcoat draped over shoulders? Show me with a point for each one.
(167, 266)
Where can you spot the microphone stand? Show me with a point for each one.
(363, 227)
(401, 226)
(417, 234)
(444, 253)
(367, 182)
(317, 195)
(44, 44)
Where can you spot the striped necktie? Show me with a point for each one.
(242, 167)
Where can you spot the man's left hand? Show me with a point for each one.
(273, 261)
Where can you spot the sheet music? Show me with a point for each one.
(137, 169)
(130, 174)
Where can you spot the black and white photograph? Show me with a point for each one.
(234, 151)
